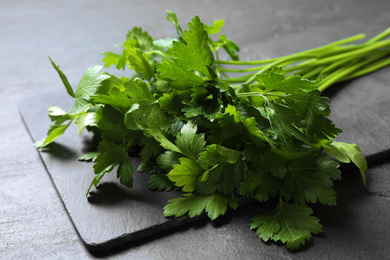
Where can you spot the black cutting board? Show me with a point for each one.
(112, 215)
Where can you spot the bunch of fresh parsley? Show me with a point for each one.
(216, 138)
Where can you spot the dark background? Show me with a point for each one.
(33, 222)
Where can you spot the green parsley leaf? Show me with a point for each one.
(125, 170)
(265, 160)
(84, 120)
(284, 121)
(190, 143)
(237, 125)
(53, 134)
(111, 58)
(260, 185)
(194, 205)
(160, 182)
(64, 79)
(185, 174)
(116, 98)
(345, 152)
(275, 80)
(218, 204)
(215, 28)
(195, 54)
(109, 156)
(222, 178)
(139, 39)
(89, 156)
(168, 159)
(179, 76)
(172, 17)
(156, 132)
(310, 179)
(123, 59)
(58, 115)
(138, 92)
(150, 148)
(95, 182)
(109, 118)
(216, 153)
(139, 61)
(317, 124)
(229, 46)
(89, 84)
(288, 223)
(215, 205)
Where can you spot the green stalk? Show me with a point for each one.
(238, 79)
(241, 70)
(373, 67)
(340, 56)
(339, 50)
(380, 36)
(339, 75)
(356, 53)
(292, 59)
(310, 51)
(336, 61)
(312, 73)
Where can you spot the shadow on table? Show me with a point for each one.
(111, 193)
(60, 152)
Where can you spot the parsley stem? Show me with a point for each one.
(338, 61)
(250, 94)
(330, 61)
(310, 51)
(292, 59)
(356, 53)
(380, 36)
(373, 67)
(312, 73)
(155, 52)
(242, 70)
(238, 79)
(338, 75)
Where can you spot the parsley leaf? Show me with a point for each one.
(195, 54)
(160, 182)
(109, 156)
(190, 143)
(55, 131)
(288, 223)
(89, 84)
(191, 55)
(259, 185)
(116, 98)
(310, 179)
(171, 16)
(139, 61)
(185, 174)
(64, 79)
(215, 205)
(345, 153)
(179, 76)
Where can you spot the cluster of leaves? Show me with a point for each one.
(197, 133)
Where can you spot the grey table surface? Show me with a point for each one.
(33, 220)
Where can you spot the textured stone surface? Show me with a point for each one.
(33, 221)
